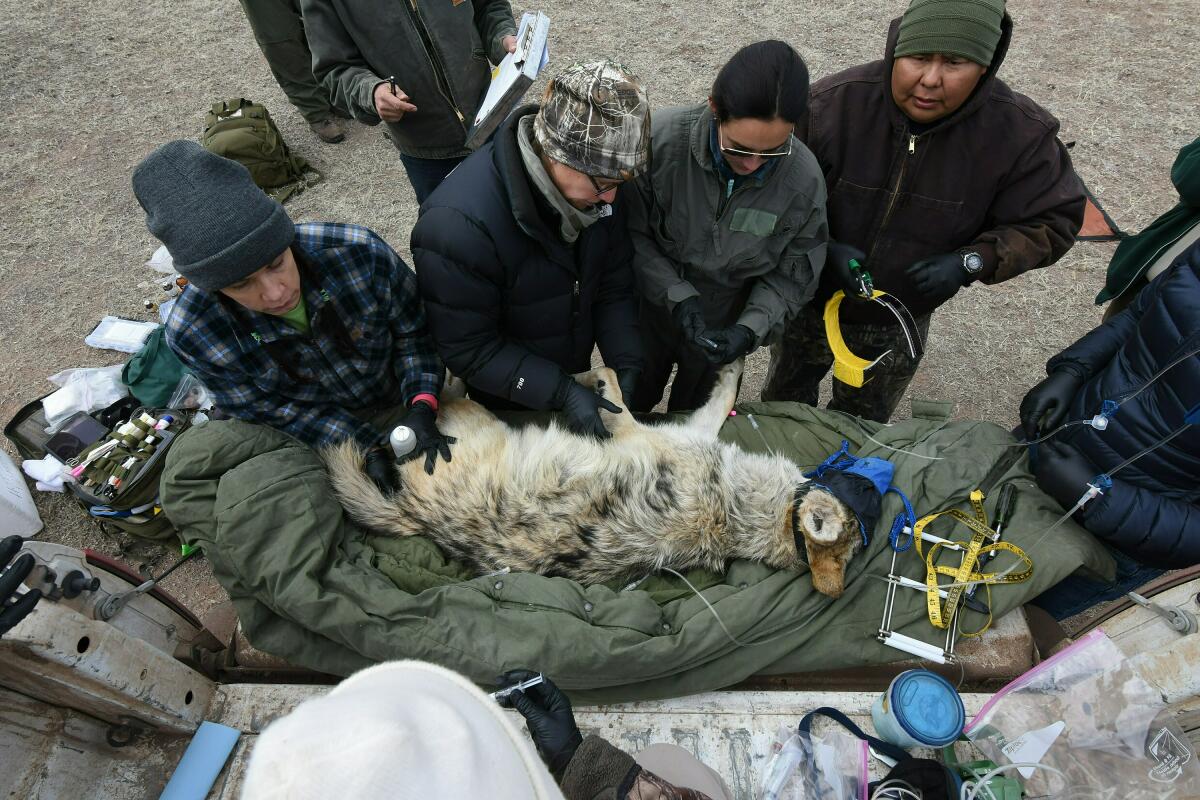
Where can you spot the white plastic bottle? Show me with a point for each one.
(402, 440)
(18, 514)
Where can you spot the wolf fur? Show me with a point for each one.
(548, 501)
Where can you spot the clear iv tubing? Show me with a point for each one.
(1092, 491)
(1118, 403)
(1122, 401)
(721, 622)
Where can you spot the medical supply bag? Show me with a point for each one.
(1093, 724)
(119, 487)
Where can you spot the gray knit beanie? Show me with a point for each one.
(966, 28)
(217, 224)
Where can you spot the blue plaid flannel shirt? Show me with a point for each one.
(374, 293)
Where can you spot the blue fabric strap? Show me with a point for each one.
(880, 472)
(907, 518)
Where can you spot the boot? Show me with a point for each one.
(330, 131)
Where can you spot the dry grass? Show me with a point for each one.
(89, 92)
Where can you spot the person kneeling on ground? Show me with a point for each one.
(728, 225)
(1147, 358)
(413, 729)
(939, 176)
(314, 329)
(522, 254)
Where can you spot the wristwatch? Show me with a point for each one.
(972, 262)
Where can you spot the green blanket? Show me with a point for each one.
(313, 588)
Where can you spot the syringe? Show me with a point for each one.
(499, 694)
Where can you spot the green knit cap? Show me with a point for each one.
(966, 28)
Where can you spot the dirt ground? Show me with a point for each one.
(91, 92)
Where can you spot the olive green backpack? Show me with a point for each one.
(243, 131)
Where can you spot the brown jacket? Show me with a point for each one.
(992, 178)
(599, 771)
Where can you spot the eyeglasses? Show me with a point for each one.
(601, 190)
(733, 151)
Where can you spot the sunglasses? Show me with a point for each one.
(733, 151)
(601, 190)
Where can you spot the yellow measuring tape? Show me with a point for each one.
(847, 367)
(939, 614)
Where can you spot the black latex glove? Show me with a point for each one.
(628, 379)
(547, 713)
(732, 343)
(582, 407)
(1063, 472)
(379, 464)
(422, 420)
(13, 609)
(690, 320)
(837, 273)
(938, 278)
(1045, 406)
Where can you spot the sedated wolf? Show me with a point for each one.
(545, 500)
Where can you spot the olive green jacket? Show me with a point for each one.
(314, 588)
(756, 253)
(437, 51)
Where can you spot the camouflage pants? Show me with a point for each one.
(801, 358)
(279, 30)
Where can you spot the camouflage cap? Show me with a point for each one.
(595, 118)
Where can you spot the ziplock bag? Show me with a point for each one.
(83, 389)
(831, 765)
(1087, 714)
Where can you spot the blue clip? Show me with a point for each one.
(1192, 417)
(1103, 482)
(1108, 410)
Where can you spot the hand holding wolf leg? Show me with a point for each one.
(582, 407)
(549, 717)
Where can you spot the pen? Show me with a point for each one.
(392, 84)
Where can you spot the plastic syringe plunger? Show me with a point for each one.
(402, 440)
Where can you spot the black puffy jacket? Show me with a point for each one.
(1152, 513)
(510, 305)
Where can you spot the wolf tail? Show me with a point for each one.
(360, 496)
